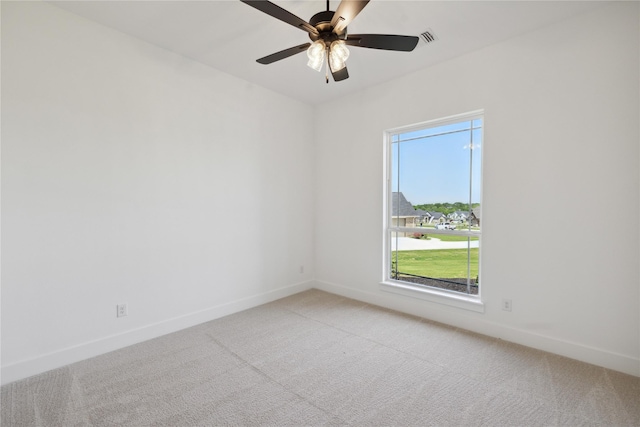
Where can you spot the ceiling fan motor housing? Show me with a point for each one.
(321, 21)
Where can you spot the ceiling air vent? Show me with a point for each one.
(428, 36)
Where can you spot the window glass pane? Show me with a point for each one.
(445, 262)
(476, 181)
(408, 174)
(433, 173)
(394, 201)
(438, 130)
(436, 190)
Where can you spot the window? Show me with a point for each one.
(433, 206)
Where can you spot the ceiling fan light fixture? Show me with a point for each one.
(328, 31)
(316, 54)
(338, 55)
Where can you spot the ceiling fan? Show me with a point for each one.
(329, 39)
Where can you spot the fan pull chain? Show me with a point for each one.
(326, 72)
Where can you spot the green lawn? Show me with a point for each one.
(440, 264)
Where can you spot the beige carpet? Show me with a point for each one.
(319, 359)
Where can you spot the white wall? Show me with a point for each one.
(560, 153)
(130, 174)
(133, 175)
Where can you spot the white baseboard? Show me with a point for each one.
(66, 356)
(46, 362)
(595, 356)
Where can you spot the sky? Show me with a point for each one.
(433, 165)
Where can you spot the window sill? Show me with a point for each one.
(472, 303)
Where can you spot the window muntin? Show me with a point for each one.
(429, 165)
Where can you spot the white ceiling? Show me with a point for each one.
(229, 35)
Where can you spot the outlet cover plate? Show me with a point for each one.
(121, 310)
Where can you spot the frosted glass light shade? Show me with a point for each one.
(338, 54)
(316, 54)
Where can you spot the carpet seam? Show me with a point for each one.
(268, 377)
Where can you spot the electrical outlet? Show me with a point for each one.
(121, 310)
(506, 304)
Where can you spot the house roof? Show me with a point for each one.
(400, 206)
(476, 212)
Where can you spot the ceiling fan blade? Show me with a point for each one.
(346, 12)
(281, 14)
(383, 41)
(340, 75)
(269, 59)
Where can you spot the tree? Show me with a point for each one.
(446, 207)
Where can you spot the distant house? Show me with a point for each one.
(458, 216)
(436, 217)
(425, 218)
(475, 217)
(403, 214)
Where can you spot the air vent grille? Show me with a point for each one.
(428, 36)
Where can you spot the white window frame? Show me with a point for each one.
(432, 294)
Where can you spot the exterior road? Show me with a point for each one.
(411, 244)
